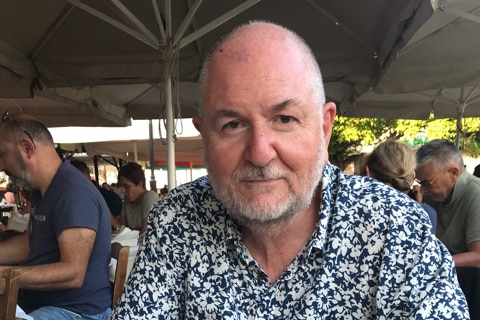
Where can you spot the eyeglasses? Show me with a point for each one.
(428, 184)
(6, 116)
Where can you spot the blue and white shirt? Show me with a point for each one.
(372, 256)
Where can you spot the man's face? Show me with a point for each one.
(11, 161)
(130, 190)
(437, 184)
(264, 142)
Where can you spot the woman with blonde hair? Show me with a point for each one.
(393, 163)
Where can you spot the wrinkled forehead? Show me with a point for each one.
(253, 69)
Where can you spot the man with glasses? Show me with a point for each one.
(455, 195)
(64, 254)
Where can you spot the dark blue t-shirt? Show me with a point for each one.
(71, 201)
(432, 214)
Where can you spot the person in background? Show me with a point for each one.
(116, 189)
(18, 221)
(164, 191)
(137, 200)
(454, 194)
(476, 171)
(113, 201)
(359, 164)
(9, 195)
(65, 253)
(393, 163)
(274, 230)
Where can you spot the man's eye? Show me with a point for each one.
(232, 125)
(285, 119)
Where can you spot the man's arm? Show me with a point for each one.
(123, 221)
(114, 222)
(14, 250)
(470, 258)
(75, 248)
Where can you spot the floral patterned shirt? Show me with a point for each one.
(372, 256)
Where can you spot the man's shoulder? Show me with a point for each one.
(190, 201)
(353, 194)
(352, 184)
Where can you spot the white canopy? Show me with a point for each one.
(79, 62)
(437, 71)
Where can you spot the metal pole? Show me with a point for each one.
(153, 183)
(170, 145)
(169, 100)
(95, 168)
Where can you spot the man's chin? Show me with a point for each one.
(261, 223)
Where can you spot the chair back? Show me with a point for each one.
(120, 253)
(9, 286)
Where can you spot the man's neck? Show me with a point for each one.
(276, 248)
(47, 172)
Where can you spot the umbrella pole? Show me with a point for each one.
(170, 145)
(460, 112)
(171, 170)
(153, 182)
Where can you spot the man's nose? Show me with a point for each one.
(259, 149)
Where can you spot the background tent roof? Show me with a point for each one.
(187, 149)
(444, 103)
(437, 71)
(105, 61)
(130, 143)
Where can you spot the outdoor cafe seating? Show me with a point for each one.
(120, 254)
(124, 249)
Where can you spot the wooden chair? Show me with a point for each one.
(120, 253)
(9, 285)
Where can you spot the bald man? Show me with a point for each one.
(275, 231)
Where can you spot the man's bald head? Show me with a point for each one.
(260, 42)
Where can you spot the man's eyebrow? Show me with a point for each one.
(275, 108)
(283, 105)
(226, 113)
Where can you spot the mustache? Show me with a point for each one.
(268, 172)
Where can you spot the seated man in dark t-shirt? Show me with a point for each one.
(65, 253)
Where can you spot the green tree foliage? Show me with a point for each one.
(350, 135)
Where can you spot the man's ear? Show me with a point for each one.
(454, 172)
(198, 123)
(329, 111)
(27, 146)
